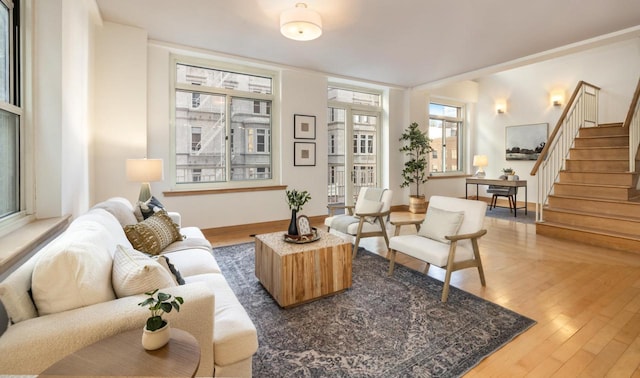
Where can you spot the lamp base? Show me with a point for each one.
(480, 174)
(145, 192)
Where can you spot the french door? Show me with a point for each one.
(352, 153)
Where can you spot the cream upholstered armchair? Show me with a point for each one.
(447, 238)
(364, 220)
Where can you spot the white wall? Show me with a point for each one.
(615, 68)
(301, 92)
(63, 51)
(120, 99)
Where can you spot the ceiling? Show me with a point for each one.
(398, 42)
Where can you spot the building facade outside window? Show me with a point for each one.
(226, 138)
(353, 130)
(446, 126)
(12, 190)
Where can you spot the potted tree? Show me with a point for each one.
(156, 332)
(416, 147)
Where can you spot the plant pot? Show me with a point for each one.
(293, 224)
(152, 340)
(417, 204)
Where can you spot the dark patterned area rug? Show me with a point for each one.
(381, 327)
(504, 213)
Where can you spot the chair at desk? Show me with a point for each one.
(503, 191)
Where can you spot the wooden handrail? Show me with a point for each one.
(545, 149)
(634, 103)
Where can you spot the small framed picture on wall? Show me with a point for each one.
(304, 154)
(304, 126)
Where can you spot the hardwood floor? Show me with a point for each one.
(585, 299)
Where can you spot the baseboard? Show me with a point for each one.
(252, 228)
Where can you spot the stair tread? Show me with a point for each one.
(596, 185)
(599, 172)
(593, 214)
(622, 235)
(607, 200)
(600, 148)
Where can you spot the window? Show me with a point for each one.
(222, 124)
(446, 122)
(196, 139)
(11, 181)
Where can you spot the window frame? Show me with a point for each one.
(461, 136)
(19, 79)
(229, 94)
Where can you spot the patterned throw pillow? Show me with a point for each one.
(153, 234)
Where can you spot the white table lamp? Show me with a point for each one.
(480, 161)
(144, 171)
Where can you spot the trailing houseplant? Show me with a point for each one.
(416, 147)
(296, 200)
(156, 332)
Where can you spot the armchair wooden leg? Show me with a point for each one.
(476, 253)
(449, 270)
(392, 261)
(384, 231)
(426, 268)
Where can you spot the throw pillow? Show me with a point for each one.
(136, 273)
(166, 263)
(153, 234)
(367, 207)
(120, 209)
(73, 271)
(439, 223)
(150, 207)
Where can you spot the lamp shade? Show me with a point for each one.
(480, 161)
(300, 23)
(144, 170)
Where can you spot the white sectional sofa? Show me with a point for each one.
(62, 298)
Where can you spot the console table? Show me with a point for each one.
(515, 183)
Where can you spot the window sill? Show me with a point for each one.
(20, 243)
(200, 192)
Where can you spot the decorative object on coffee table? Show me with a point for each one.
(156, 332)
(296, 200)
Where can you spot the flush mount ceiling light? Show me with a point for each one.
(300, 23)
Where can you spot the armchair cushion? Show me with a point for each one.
(439, 223)
(368, 207)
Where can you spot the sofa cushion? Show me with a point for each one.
(234, 336)
(109, 222)
(153, 234)
(191, 262)
(428, 249)
(136, 273)
(439, 223)
(74, 270)
(120, 208)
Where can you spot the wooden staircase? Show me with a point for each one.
(595, 200)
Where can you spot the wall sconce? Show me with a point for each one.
(480, 161)
(557, 97)
(501, 106)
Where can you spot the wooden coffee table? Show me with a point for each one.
(123, 355)
(297, 273)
